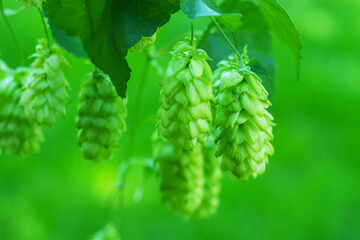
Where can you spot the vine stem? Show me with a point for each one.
(192, 33)
(138, 98)
(227, 40)
(44, 25)
(13, 34)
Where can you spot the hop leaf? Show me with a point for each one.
(18, 136)
(144, 41)
(185, 113)
(45, 95)
(212, 184)
(243, 125)
(181, 174)
(101, 117)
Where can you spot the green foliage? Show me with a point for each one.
(184, 112)
(45, 95)
(109, 232)
(101, 117)
(199, 8)
(232, 22)
(70, 44)
(145, 41)
(33, 3)
(18, 136)
(283, 27)
(254, 33)
(243, 125)
(109, 28)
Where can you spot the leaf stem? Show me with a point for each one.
(45, 26)
(235, 40)
(227, 40)
(192, 33)
(13, 34)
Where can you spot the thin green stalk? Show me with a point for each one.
(227, 40)
(192, 33)
(13, 34)
(235, 40)
(44, 25)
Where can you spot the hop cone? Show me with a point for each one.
(185, 113)
(211, 189)
(45, 95)
(109, 232)
(144, 41)
(243, 125)
(181, 174)
(18, 136)
(101, 117)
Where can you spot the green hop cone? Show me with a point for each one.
(212, 185)
(109, 232)
(186, 92)
(45, 95)
(243, 125)
(144, 41)
(18, 136)
(181, 174)
(101, 117)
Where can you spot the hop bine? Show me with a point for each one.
(243, 125)
(101, 117)
(45, 95)
(186, 92)
(18, 136)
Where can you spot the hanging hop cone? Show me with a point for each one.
(186, 92)
(45, 95)
(144, 41)
(212, 185)
(181, 174)
(101, 117)
(243, 125)
(18, 136)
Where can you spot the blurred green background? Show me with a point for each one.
(310, 190)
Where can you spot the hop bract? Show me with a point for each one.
(17, 134)
(45, 95)
(212, 183)
(243, 125)
(101, 117)
(185, 113)
(181, 174)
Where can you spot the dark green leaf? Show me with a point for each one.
(108, 28)
(200, 8)
(71, 44)
(283, 27)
